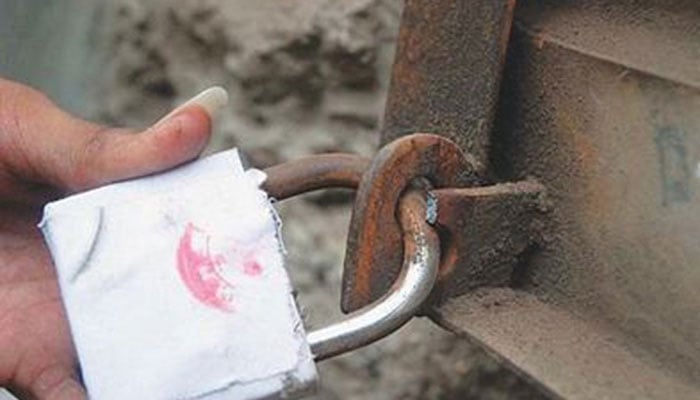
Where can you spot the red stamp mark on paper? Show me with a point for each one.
(209, 277)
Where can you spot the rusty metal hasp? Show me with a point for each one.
(504, 218)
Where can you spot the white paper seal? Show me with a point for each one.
(175, 287)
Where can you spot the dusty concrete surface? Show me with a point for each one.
(305, 77)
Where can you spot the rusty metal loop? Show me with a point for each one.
(421, 253)
(374, 247)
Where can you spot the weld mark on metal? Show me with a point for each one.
(431, 209)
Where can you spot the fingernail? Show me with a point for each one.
(211, 100)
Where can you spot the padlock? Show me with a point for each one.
(174, 284)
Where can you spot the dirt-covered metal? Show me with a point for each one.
(447, 71)
(487, 233)
(600, 103)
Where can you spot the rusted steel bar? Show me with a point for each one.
(566, 356)
(310, 173)
(447, 71)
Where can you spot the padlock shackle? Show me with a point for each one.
(420, 261)
(407, 295)
(337, 170)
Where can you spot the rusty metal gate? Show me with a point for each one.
(584, 272)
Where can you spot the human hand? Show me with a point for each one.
(44, 154)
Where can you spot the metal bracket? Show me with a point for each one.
(486, 233)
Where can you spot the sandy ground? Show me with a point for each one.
(305, 77)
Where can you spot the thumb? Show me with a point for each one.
(108, 155)
(41, 143)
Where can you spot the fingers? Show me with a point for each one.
(69, 390)
(41, 143)
(57, 383)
